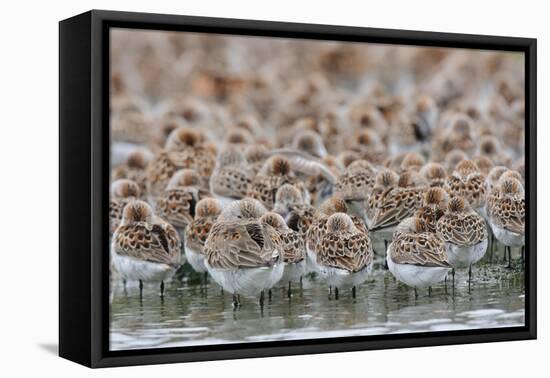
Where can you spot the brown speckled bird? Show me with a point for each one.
(144, 247)
(344, 254)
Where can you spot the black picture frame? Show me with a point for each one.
(83, 181)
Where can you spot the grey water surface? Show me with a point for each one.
(192, 313)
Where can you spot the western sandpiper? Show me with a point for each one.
(275, 173)
(416, 257)
(506, 213)
(310, 142)
(122, 191)
(344, 254)
(185, 148)
(355, 185)
(244, 257)
(319, 226)
(230, 179)
(134, 169)
(453, 158)
(433, 207)
(434, 174)
(255, 155)
(290, 204)
(397, 204)
(468, 182)
(177, 203)
(385, 181)
(294, 252)
(145, 247)
(207, 211)
(465, 234)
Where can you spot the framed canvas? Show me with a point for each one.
(235, 188)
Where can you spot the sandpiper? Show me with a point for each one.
(177, 203)
(344, 254)
(230, 179)
(434, 174)
(465, 234)
(144, 247)
(468, 182)
(134, 169)
(433, 207)
(416, 257)
(185, 148)
(506, 213)
(397, 204)
(294, 252)
(290, 204)
(276, 172)
(122, 191)
(319, 228)
(355, 185)
(242, 255)
(196, 232)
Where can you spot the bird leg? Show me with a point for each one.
(415, 293)
(493, 242)
(453, 273)
(262, 296)
(335, 293)
(236, 301)
(429, 291)
(162, 289)
(385, 255)
(270, 295)
(469, 278)
(509, 257)
(353, 292)
(140, 289)
(289, 292)
(329, 293)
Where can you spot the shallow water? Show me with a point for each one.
(194, 314)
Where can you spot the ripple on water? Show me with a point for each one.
(481, 313)
(197, 315)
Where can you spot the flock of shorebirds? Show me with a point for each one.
(426, 184)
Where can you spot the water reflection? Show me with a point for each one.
(192, 313)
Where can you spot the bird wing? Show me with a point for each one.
(424, 249)
(344, 250)
(509, 213)
(262, 190)
(159, 171)
(197, 232)
(241, 245)
(397, 205)
(176, 206)
(300, 219)
(466, 230)
(230, 182)
(354, 186)
(303, 162)
(476, 189)
(115, 214)
(293, 246)
(158, 243)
